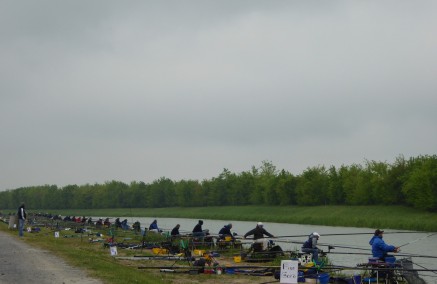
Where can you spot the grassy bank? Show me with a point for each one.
(389, 217)
(95, 258)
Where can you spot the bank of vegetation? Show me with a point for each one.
(406, 182)
(388, 217)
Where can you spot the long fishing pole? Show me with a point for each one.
(417, 255)
(425, 268)
(362, 253)
(333, 267)
(416, 240)
(350, 234)
(331, 246)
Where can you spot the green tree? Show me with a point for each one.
(421, 185)
(286, 188)
(312, 186)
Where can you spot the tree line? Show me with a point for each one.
(408, 182)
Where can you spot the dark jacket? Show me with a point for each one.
(226, 230)
(22, 215)
(311, 242)
(258, 233)
(175, 231)
(197, 228)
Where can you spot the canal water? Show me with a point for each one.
(347, 241)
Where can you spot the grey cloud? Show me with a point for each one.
(106, 90)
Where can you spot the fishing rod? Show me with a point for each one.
(349, 234)
(232, 267)
(332, 246)
(417, 255)
(333, 267)
(362, 253)
(416, 240)
(424, 268)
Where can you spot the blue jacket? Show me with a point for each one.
(154, 226)
(379, 247)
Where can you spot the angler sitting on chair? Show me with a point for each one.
(379, 248)
(124, 225)
(137, 227)
(310, 245)
(260, 243)
(226, 232)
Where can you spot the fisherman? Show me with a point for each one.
(124, 225)
(117, 223)
(310, 246)
(154, 227)
(137, 227)
(197, 231)
(99, 223)
(175, 231)
(226, 232)
(379, 248)
(260, 243)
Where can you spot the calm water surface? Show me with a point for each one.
(412, 243)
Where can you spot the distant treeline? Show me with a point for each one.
(409, 182)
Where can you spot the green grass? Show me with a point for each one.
(389, 217)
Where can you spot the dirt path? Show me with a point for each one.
(21, 263)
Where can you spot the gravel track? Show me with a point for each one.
(21, 263)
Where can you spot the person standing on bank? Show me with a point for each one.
(379, 248)
(310, 246)
(22, 215)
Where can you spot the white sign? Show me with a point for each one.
(289, 271)
(113, 250)
(56, 234)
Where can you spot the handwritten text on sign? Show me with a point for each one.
(289, 271)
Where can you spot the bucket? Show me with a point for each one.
(159, 251)
(323, 278)
(199, 252)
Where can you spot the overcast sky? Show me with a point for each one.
(93, 91)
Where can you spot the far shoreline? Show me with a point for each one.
(388, 217)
